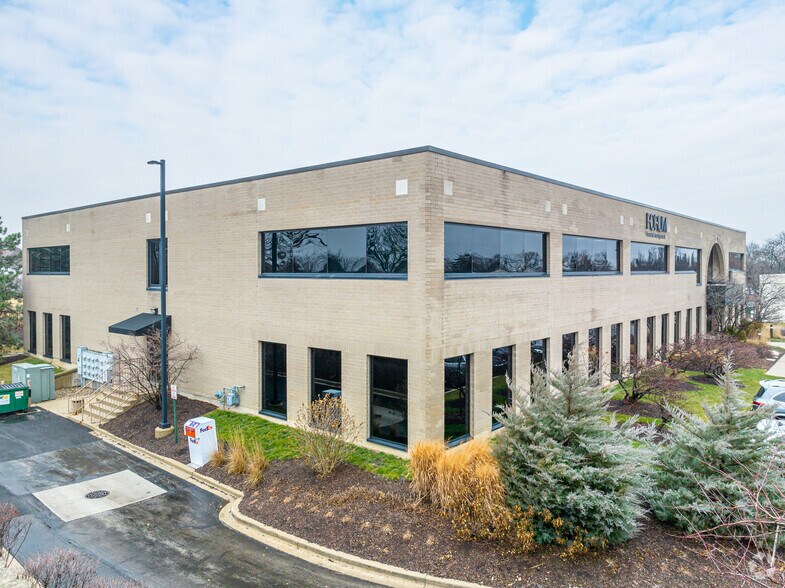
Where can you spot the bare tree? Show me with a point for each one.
(708, 353)
(748, 542)
(727, 305)
(766, 300)
(139, 363)
(13, 531)
(652, 379)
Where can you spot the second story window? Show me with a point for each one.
(589, 255)
(154, 263)
(648, 258)
(473, 250)
(689, 261)
(345, 252)
(737, 262)
(49, 260)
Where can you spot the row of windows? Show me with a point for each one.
(372, 249)
(474, 249)
(49, 260)
(65, 335)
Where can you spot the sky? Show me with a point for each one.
(680, 105)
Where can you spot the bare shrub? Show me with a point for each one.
(13, 531)
(749, 541)
(257, 465)
(326, 432)
(708, 353)
(220, 455)
(651, 379)
(238, 456)
(62, 568)
(424, 457)
(139, 363)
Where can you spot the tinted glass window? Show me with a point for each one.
(456, 397)
(33, 331)
(486, 250)
(664, 322)
(688, 260)
(568, 342)
(539, 356)
(501, 371)
(389, 400)
(48, 334)
(688, 324)
(595, 341)
(65, 338)
(698, 319)
(676, 326)
(589, 254)
(372, 249)
(387, 248)
(780, 397)
(154, 263)
(737, 261)
(650, 337)
(635, 337)
(274, 379)
(615, 351)
(647, 257)
(325, 373)
(55, 260)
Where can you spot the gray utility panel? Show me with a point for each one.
(40, 378)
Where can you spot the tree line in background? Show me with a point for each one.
(10, 289)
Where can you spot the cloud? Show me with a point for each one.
(681, 105)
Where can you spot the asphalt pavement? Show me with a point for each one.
(173, 539)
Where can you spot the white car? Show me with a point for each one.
(773, 427)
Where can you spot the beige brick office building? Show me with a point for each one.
(408, 282)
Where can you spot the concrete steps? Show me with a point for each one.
(109, 406)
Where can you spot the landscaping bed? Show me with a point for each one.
(367, 509)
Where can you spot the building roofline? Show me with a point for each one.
(379, 156)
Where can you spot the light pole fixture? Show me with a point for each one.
(165, 427)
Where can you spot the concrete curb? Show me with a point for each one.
(230, 515)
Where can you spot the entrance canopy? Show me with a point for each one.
(141, 324)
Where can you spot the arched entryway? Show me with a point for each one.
(716, 270)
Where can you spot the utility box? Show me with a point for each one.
(202, 440)
(14, 398)
(40, 378)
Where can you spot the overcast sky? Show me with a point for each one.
(675, 104)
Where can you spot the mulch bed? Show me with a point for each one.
(645, 409)
(138, 425)
(369, 516)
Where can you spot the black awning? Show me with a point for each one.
(141, 324)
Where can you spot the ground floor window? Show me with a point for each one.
(389, 400)
(615, 351)
(65, 338)
(688, 324)
(274, 379)
(325, 373)
(539, 356)
(500, 391)
(635, 343)
(32, 329)
(676, 326)
(664, 334)
(698, 319)
(650, 326)
(595, 346)
(457, 398)
(568, 342)
(48, 334)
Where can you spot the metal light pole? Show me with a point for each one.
(165, 424)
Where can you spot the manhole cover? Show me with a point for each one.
(97, 494)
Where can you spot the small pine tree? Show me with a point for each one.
(565, 461)
(703, 466)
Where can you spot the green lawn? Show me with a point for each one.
(708, 393)
(5, 370)
(279, 442)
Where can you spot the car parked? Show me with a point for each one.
(772, 394)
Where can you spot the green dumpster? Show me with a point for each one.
(14, 397)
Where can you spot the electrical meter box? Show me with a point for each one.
(39, 377)
(202, 440)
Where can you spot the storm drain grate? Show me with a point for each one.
(97, 494)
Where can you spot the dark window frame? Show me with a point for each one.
(591, 272)
(376, 438)
(41, 260)
(635, 337)
(32, 331)
(399, 271)
(154, 282)
(736, 262)
(467, 404)
(65, 341)
(633, 259)
(695, 268)
(475, 229)
(651, 327)
(616, 343)
(572, 339)
(594, 351)
(509, 372)
(48, 335)
(665, 321)
(263, 405)
(313, 383)
(541, 364)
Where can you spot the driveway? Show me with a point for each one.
(171, 539)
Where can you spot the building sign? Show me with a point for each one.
(656, 225)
